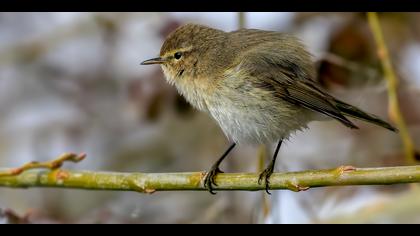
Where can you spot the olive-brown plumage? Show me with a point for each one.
(258, 85)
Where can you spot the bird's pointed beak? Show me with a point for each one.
(157, 60)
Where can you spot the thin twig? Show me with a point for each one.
(52, 165)
(241, 20)
(265, 204)
(393, 108)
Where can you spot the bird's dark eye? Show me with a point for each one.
(178, 55)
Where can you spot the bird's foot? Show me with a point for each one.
(266, 176)
(209, 178)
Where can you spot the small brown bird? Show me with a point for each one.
(258, 85)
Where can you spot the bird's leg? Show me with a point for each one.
(214, 170)
(269, 170)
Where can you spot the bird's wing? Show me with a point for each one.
(286, 80)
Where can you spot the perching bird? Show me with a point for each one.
(258, 85)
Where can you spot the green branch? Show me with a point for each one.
(149, 183)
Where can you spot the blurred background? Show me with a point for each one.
(71, 82)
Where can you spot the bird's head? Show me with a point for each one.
(190, 52)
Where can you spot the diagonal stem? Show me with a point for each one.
(393, 108)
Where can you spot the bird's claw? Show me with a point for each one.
(209, 179)
(266, 176)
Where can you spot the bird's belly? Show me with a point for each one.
(249, 121)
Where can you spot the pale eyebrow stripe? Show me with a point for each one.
(179, 50)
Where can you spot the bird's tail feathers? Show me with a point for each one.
(349, 110)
